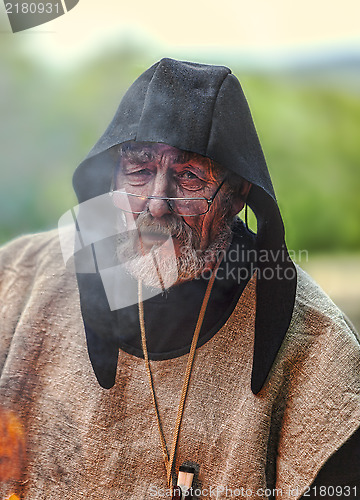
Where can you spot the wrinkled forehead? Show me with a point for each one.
(146, 152)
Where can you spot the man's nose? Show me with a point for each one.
(158, 207)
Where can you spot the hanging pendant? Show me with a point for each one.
(183, 490)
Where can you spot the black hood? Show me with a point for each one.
(202, 109)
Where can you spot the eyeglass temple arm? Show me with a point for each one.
(210, 200)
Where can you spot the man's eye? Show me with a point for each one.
(190, 181)
(189, 176)
(138, 176)
(142, 171)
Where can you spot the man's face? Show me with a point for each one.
(164, 171)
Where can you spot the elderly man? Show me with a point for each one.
(175, 345)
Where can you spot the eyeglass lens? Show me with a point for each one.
(137, 204)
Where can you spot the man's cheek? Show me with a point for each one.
(196, 227)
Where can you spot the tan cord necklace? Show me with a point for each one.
(169, 460)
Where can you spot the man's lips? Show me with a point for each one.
(152, 238)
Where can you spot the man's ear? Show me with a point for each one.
(240, 198)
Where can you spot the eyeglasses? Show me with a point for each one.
(186, 207)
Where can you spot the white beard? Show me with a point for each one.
(161, 269)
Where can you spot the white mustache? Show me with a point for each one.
(169, 226)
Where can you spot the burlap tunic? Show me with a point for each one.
(83, 441)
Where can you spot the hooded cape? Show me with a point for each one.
(202, 109)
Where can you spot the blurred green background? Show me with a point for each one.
(306, 110)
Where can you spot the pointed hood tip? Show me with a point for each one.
(256, 387)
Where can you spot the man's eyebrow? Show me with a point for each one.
(138, 157)
(145, 155)
(181, 158)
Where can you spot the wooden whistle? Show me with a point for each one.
(185, 480)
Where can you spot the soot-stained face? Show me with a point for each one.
(173, 203)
